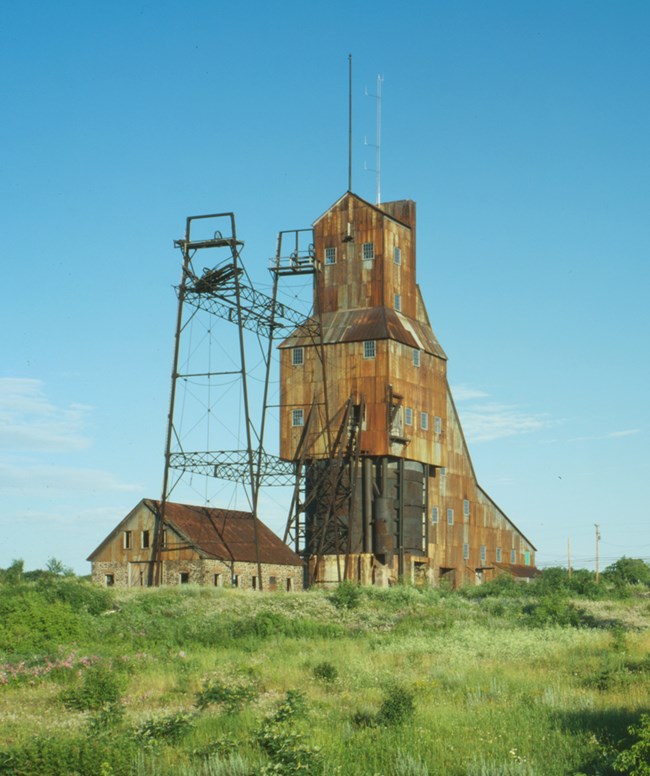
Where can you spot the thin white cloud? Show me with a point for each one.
(30, 422)
(611, 435)
(41, 480)
(487, 421)
(467, 393)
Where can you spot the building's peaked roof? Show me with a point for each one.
(225, 534)
(371, 323)
(363, 201)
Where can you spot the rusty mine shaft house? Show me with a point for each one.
(384, 484)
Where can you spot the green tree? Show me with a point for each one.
(630, 571)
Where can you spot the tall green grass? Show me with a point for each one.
(498, 680)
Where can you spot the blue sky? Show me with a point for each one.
(521, 129)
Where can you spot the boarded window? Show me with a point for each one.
(527, 558)
(369, 349)
(298, 356)
(297, 417)
(368, 251)
(273, 583)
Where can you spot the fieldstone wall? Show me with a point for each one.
(201, 571)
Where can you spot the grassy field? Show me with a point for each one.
(498, 680)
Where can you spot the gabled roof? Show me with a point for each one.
(225, 534)
(368, 323)
(363, 202)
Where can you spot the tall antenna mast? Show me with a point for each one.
(378, 144)
(350, 125)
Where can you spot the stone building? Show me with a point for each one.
(199, 545)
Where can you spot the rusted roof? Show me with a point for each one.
(519, 572)
(226, 534)
(372, 323)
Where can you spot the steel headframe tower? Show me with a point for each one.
(222, 290)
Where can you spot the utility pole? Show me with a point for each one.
(569, 555)
(597, 525)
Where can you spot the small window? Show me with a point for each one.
(416, 358)
(254, 582)
(434, 514)
(498, 555)
(408, 416)
(330, 255)
(289, 585)
(424, 421)
(465, 551)
(483, 553)
(398, 302)
(297, 356)
(437, 425)
(527, 558)
(298, 417)
(273, 583)
(397, 255)
(466, 507)
(164, 537)
(450, 516)
(443, 471)
(368, 251)
(513, 556)
(109, 580)
(128, 540)
(369, 349)
(185, 577)
(235, 580)
(145, 540)
(216, 580)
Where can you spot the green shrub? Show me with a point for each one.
(325, 671)
(99, 687)
(635, 760)
(169, 728)
(68, 756)
(230, 696)
(346, 596)
(397, 707)
(30, 624)
(283, 743)
(554, 609)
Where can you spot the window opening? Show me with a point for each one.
(369, 349)
(368, 251)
